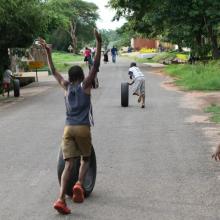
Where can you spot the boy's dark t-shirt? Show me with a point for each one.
(78, 106)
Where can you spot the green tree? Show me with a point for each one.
(192, 23)
(21, 21)
(119, 38)
(75, 17)
(60, 39)
(105, 38)
(125, 34)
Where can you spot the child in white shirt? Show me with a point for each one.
(139, 83)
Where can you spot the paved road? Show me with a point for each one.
(151, 163)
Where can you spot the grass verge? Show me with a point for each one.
(63, 61)
(196, 77)
(144, 60)
(215, 112)
(138, 59)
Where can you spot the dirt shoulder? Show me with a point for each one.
(193, 99)
(198, 101)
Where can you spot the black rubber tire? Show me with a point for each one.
(16, 85)
(90, 177)
(124, 94)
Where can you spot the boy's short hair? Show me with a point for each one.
(76, 74)
(133, 64)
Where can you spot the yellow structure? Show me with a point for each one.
(36, 64)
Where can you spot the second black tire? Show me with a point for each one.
(16, 85)
(89, 181)
(124, 94)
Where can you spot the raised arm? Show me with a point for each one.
(87, 83)
(56, 74)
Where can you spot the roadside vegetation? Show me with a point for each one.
(142, 60)
(63, 60)
(168, 57)
(163, 57)
(214, 110)
(197, 76)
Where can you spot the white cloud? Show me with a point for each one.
(106, 16)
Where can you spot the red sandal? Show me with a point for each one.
(61, 207)
(78, 193)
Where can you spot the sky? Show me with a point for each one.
(106, 15)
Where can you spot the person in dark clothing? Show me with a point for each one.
(87, 54)
(105, 56)
(114, 53)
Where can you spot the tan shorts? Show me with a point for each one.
(76, 141)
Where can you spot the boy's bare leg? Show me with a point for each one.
(78, 192)
(60, 204)
(84, 165)
(65, 177)
(139, 99)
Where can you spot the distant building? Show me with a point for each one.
(139, 43)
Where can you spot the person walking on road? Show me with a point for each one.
(87, 54)
(88, 57)
(105, 54)
(7, 76)
(138, 80)
(114, 53)
(76, 140)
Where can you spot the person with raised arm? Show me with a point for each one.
(76, 140)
